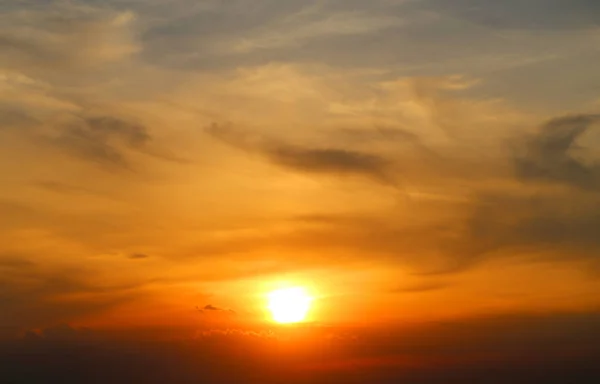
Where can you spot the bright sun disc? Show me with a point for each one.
(289, 305)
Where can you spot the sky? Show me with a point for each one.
(406, 161)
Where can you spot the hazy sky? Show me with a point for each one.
(405, 160)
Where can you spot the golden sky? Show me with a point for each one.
(404, 160)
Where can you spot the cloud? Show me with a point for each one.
(138, 256)
(310, 24)
(37, 111)
(106, 140)
(550, 347)
(234, 333)
(27, 101)
(533, 14)
(549, 154)
(14, 262)
(232, 34)
(102, 140)
(56, 36)
(379, 134)
(333, 161)
(212, 308)
(30, 297)
(328, 160)
(509, 219)
(73, 78)
(46, 293)
(550, 225)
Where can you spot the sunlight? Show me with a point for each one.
(289, 305)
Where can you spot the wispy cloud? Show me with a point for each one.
(102, 139)
(551, 154)
(107, 141)
(534, 14)
(305, 159)
(58, 36)
(305, 26)
(380, 134)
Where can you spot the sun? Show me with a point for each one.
(289, 305)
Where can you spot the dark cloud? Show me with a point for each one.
(29, 295)
(234, 333)
(559, 225)
(31, 306)
(12, 117)
(549, 154)
(526, 222)
(329, 160)
(138, 256)
(553, 225)
(548, 348)
(212, 308)
(337, 161)
(531, 14)
(103, 140)
(107, 140)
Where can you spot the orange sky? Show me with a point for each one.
(153, 160)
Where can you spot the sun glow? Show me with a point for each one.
(289, 305)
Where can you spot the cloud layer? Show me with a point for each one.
(159, 155)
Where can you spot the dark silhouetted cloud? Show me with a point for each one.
(548, 155)
(329, 160)
(337, 161)
(212, 308)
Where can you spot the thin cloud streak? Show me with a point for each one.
(313, 160)
(300, 28)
